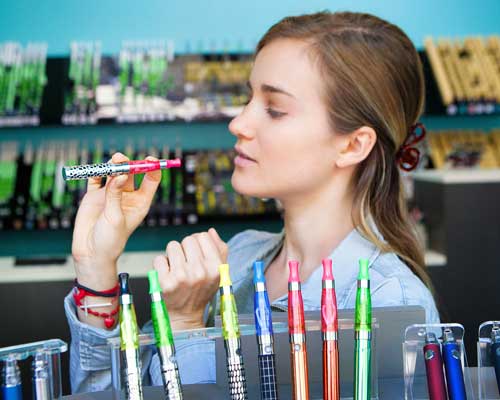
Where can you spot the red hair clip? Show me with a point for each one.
(409, 156)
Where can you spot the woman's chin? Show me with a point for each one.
(247, 187)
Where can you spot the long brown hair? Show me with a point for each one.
(372, 77)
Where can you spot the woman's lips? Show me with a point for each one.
(242, 160)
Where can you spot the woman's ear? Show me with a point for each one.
(356, 146)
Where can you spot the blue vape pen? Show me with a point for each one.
(453, 367)
(11, 381)
(495, 352)
(264, 330)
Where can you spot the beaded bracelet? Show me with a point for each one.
(80, 292)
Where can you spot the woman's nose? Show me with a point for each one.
(240, 126)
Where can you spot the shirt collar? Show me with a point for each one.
(345, 258)
(266, 253)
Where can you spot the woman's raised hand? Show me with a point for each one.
(106, 218)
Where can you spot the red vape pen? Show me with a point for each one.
(329, 330)
(434, 368)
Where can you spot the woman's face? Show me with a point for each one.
(286, 147)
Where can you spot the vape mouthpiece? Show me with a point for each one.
(258, 272)
(327, 269)
(124, 286)
(225, 278)
(495, 334)
(448, 336)
(294, 271)
(154, 282)
(175, 163)
(364, 265)
(430, 337)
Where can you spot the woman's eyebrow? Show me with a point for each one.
(271, 89)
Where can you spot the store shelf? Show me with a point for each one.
(57, 73)
(191, 136)
(136, 263)
(459, 176)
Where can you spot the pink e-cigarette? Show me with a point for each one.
(297, 334)
(109, 169)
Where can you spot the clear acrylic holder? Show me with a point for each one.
(486, 379)
(346, 329)
(413, 358)
(52, 349)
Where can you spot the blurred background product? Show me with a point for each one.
(80, 106)
(467, 73)
(464, 149)
(22, 81)
(146, 83)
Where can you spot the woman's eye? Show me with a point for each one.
(274, 114)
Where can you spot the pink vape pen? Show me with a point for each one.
(297, 334)
(109, 169)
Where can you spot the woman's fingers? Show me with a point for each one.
(150, 182)
(94, 183)
(192, 250)
(207, 245)
(221, 245)
(148, 186)
(196, 258)
(189, 277)
(177, 261)
(119, 158)
(167, 281)
(113, 203)
(211, 255)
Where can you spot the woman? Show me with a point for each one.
(334, 98)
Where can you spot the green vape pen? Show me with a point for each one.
(362, 334)
(164, 340)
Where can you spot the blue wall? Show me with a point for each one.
(212, 24)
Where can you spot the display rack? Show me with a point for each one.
(414, 359)
(486, 370)
(346, 330)
(46, 370)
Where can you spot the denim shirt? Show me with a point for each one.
(392, 284)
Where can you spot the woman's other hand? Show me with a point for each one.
(189, 276)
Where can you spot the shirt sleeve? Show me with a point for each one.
(405, 290)
(196, 360)
(90, 355)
